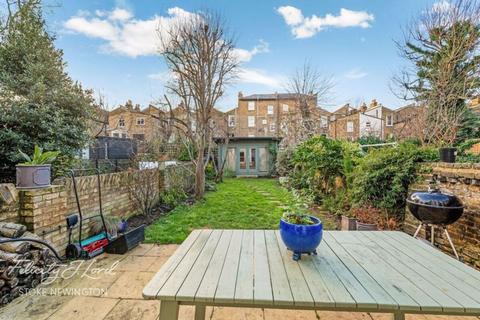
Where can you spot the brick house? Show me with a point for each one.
(129, 121)
(273, 115)
(372, 120)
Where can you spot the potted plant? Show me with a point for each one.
(301, 233)
(35, 171)
(368, 218)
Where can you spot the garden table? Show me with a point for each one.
(370, 271)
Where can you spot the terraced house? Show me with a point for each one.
(372, 120)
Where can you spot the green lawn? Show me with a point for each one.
(246, 203)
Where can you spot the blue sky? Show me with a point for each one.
(111, 46)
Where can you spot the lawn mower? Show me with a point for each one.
(93, 245)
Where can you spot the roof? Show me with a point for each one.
(233, 139)
(273, 96)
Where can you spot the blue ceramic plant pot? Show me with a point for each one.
(301, 238)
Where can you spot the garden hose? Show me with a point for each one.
(36, 241)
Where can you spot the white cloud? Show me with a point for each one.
(120, 14)
(442, 6)
(244, 55)
(356, 73)
(305, 27)
(123, 33)
(260, 77)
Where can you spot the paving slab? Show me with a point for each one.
(84, 308)
(158, 263)
(140, 250)
(220, 313)
(33, 307)
(134, 310)
(129, 285)
(275, 314)
(331, 315)
(135, 263)
(162, 250)
(94, 285)
(188, 313)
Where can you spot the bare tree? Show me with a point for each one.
(143, 189)
(309, 87)
(200, 55)
(442, 47)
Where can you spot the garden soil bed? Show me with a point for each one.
(139, 219)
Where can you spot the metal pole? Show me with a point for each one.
(418, 230)
(451, 243)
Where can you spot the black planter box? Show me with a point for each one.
(126, 241)
(447, 154)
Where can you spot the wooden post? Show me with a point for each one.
(169, 310)
(199, 312)
(398, 316)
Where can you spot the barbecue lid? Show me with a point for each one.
(435, 198)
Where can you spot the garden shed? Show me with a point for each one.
(248, 156)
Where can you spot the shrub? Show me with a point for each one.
(338, 203)
(317, 162)
(283, 164)
(383, 176)
(173, 196)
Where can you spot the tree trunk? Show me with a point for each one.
(199, 177)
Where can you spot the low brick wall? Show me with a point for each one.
(463, 180)
(43, 211)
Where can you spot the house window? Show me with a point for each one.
(140, 121)
(251, 121)
(264, 121)
(124, 135)
(251, 105)
(253, 158)
(231, 120)
(272, 127)
(285, 108)
(115, 135)
(251, 136)
(139, 136)
(270, 109)
(368, 124)
(121, 123)
(324, 121)
(349, 126)
(389, 120)
(376, 113)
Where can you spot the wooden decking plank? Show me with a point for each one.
(365, 280)
(437, 274)
(439, 263)
(320, 294)
(170, 288)
(225, 291)
(282, 294)
(406, 294)
(208, 286)
(192, 281)
(447, 261)
(244, 286)
(417, 274)
(153, 287)
(337, 291)
(262, 284)
(300, 290)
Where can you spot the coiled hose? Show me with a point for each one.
(36, 241)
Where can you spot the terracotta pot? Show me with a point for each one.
(348, 223)
(366, 226)
(33, 176)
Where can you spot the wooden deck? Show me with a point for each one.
(387, 272)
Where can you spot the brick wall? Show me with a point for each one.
(43, 211)
(463, 180)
